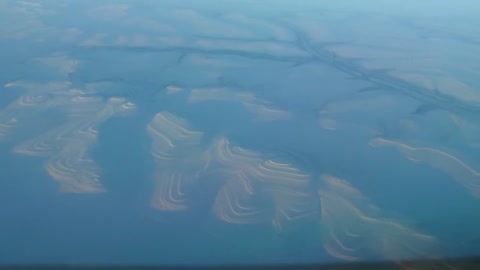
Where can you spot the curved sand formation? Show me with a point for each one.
(355, 230)
(74, 170)
(170, 134)
(258, 190)
(255, 190)
(23, 107)
(237, 202)
(172, 190)
(224, 155)
(173, 143)
(42, 145)
(66, 147)
(448, 163)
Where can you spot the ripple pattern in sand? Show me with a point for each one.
(354, 228)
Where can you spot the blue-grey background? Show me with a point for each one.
(377, 105)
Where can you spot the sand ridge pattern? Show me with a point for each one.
(257, 190)
(173, 143)
(253, 189)
(452, 165)
(67, 146)
(18, 111)
(355, 230)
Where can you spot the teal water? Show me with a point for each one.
(167, 133)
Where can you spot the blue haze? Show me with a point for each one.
(373, 107)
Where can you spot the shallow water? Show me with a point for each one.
(160, 133)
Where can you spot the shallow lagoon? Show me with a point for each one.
(167, 133)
